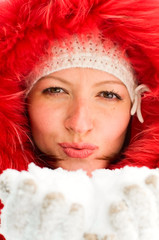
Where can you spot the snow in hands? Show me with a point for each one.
(44, 204)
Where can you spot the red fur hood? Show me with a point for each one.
(29, 26)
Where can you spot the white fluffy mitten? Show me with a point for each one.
(31, 213)
(136, 216)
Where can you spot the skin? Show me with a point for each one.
(79, 105)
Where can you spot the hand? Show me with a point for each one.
(136, 216)
(31, 214)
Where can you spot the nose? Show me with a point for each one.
(79, 118)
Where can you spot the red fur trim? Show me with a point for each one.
(14, 141)
(28, 29)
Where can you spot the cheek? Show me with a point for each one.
(44, 120)
(113, 126)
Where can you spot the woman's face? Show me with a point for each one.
(79, 116)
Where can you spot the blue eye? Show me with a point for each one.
(110, 95)
(53, 90)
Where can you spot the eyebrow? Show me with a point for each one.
(96, 84)
(110, 82)
(55, 78)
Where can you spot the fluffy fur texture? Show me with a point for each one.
(27, 29)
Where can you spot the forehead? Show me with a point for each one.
(83, 75)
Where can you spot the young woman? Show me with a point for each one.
(80, 98)
(72, 78)
(29, 32)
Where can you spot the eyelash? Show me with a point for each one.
(108, 94)
(113, 95)
(51, 90)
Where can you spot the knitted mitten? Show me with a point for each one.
(31, 213)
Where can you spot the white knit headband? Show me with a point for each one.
(87, 51)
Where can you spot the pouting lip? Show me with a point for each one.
(77, 153)
(78, 146)
(78, 150)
